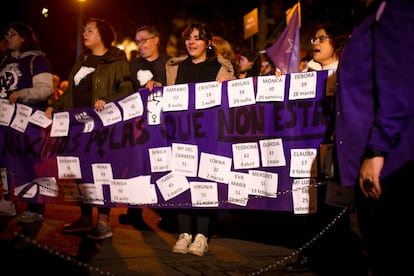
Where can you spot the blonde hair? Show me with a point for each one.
(225, 50)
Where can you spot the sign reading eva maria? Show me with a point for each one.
(236, 144)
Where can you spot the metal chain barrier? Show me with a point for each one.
(277, 264)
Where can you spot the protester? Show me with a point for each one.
(147, 71)
(327, 44)
(375, 132)
(7, 207)
(225, 49)
(201, 64)
(249, 64)
(100, 75)
(25, 76)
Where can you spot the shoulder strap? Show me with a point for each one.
(3, 59)
(31, 65)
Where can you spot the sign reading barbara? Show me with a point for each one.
(236, 144)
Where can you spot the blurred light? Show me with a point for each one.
(45, 11)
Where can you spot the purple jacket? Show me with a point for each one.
(375, 99)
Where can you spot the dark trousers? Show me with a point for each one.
(387, 223)
(194, 221)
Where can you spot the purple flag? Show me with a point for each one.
(285, 52)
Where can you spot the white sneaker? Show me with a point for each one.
(199, 246)
(181, 246)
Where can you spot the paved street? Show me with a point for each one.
(46, 251)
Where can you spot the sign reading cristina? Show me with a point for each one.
(245, 143)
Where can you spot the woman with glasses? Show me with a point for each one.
(25, 76)
(326, 47)
(339, 242)
(201, 64)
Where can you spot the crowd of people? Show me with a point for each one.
(371, 129)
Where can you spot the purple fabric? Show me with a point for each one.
(375, 102)
(285, 52)
(300, 123)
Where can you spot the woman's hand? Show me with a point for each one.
(99, 105)
(151, 84)
(13, 97)
(48, 112)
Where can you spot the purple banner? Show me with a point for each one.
(222, 156)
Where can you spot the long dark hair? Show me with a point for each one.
(204, 34)
(25, 31)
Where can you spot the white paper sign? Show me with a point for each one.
(172, 185)
(92, 193)
(302, 85)
(102, 173)
(263, 183)
(304, 195)
(110, 114)
(185, 159)
(69, 167)
(303, 163)
(160, 159)
(246, 155)
(272, 153)
(204, 194)
(21, 119)
(207, 94)
(214, 167)
(60, 124)
(132, 106)
(154, 108)
(135, 191)
(47, 186)
(238, 188)
(39, 118)
(240, 92)
(270, 88)
(175, 97)
(6, 112)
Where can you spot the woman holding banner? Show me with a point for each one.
(100, 75)
(25, 76)
(201, 64)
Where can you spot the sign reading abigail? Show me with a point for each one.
(239, 144)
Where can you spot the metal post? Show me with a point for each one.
(80, 28)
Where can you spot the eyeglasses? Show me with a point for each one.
(321, 38)
(9, 34)
(144, 40)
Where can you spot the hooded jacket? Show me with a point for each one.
(30, 74)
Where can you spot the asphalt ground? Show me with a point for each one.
(245, 243)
